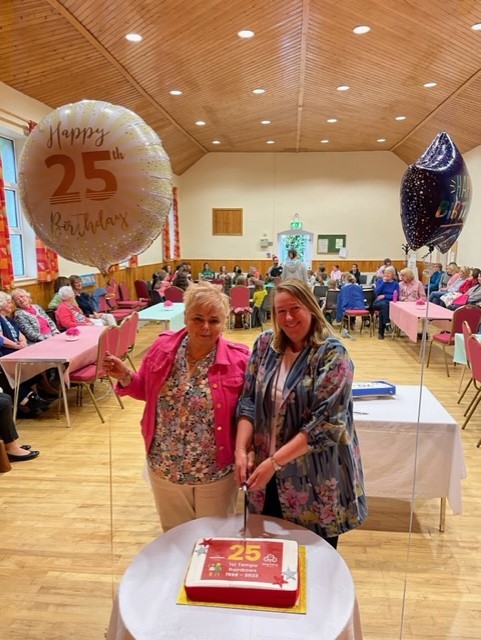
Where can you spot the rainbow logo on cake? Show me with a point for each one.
(254, 571)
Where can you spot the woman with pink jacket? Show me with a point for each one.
(190, 381)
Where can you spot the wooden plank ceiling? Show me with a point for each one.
(61, 51)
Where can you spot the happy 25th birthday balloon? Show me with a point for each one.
(95, 182)
(435, 196)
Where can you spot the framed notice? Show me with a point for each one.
(331, 243)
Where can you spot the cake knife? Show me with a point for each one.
(246, 503)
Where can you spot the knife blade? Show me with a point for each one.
(246, 504)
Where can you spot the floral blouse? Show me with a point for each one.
(322, 490)
(183, 450)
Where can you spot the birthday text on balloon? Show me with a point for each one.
(81, 224)
(75, 134)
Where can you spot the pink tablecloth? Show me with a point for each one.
(406, 316)
(56, 350)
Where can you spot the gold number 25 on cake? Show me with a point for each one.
(245, 552)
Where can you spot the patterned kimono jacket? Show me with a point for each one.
(322, 490)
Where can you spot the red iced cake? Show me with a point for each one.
(255, 571)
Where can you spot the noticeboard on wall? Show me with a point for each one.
(331, 243)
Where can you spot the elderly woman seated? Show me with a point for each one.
(68, 313)
(86, 304)
(351, 296)
(410, 289)
(8, 433)
(33, 321)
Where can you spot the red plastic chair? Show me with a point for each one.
(473, 348)
(174, 294)
(240, 305)
(469, 313)
(106, 307)
(125, 298)
(87, 376)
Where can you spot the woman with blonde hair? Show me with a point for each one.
(410, 289)
(296, 416)
(190, 381)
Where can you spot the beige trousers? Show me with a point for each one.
(179, 503)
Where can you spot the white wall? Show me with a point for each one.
(356, 194)
(469, 243)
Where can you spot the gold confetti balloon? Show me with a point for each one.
(95, 183)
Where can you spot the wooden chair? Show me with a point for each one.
(87, 376)
(174, 294)
(469, 313)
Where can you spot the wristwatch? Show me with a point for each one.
(275, 464)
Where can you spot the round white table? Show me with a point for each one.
(146, 607)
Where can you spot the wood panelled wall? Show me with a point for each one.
(43, 292)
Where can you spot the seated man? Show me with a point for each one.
(384, 290)
(274, 271)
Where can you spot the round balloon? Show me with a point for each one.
(435, 196)
(95, 183)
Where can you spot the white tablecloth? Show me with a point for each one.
(387, 430)
(460, 348)
(146, 608)
(172, 316)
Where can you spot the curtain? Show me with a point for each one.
(6, 266)
(166, 240)
(175, 207)
(47, 262)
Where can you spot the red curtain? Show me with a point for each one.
(166, 240)
(47, 262)
(6, 266)
(175, 207)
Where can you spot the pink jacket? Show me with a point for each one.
(226, 380)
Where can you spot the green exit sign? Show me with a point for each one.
(296, 224)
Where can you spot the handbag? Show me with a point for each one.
(4, 461)
(461, 299)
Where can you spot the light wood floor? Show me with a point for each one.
(72, 520)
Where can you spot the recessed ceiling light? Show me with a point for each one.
(400, 118)
(476, 26)
(324, 141)
(265, 121)
(270, 142)
(259, 91)
(343, 87)
(361, 29)
(134, 37)
(200, 123)
(428, 85)
(381, 140)
(215, 141)
(246, 33)
(175, 92)
(331, 120)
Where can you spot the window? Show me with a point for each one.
(21, 236)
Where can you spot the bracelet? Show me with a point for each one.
(126, 379)
(275, 464)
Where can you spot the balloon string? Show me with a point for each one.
(416, 442)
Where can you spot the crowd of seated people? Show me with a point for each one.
(32, 393)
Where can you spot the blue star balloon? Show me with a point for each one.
(435, 196)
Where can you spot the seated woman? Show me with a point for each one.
(384, 291)
(356, 273)
(226, 278)
(206, 273)
(472, 296)
(311, 278)
(87, 305)
(61, 281)
(410, 289)
(435, 278)
(34, 323)
(30, 404)
(68, 314)
(16, 452)
(182, 278)
(351, 296)
(445, 297)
